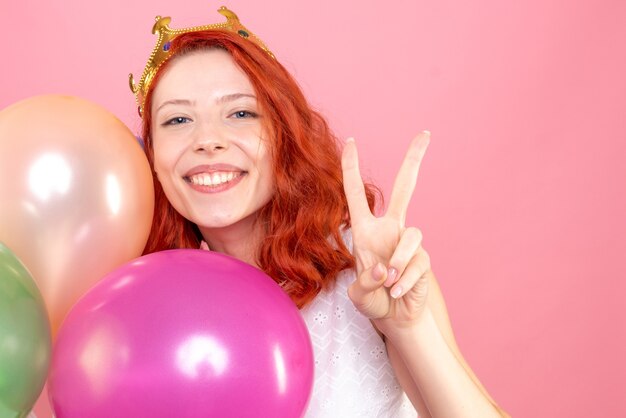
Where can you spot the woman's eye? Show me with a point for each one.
(177, 120)
(242, 114)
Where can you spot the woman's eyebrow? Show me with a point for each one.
(175, 102)
(234, 96)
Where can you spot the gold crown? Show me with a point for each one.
(161, 52)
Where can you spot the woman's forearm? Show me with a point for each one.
(444, 384)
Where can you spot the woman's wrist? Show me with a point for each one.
(412, 332)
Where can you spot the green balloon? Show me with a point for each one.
(25, 342)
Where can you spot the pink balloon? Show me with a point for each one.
(182, 333)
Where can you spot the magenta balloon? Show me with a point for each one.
(182, 333)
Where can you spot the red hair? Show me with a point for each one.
(302, 248)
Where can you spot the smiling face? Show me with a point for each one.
(209, 152)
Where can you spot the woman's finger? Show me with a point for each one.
(416, 268)
(404, 184)
(362, 290)
(353, 183)
(407, 247)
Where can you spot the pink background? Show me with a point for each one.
(522, 196)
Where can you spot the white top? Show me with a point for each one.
(353, 375)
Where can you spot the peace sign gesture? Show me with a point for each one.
(391, 265)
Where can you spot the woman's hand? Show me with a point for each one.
(391, 265)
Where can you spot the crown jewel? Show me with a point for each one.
(161, 52)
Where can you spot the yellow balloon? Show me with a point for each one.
(76, 195)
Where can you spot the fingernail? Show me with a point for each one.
(350, 139)
(396, 292)
(426, 132)
(392, 273)
(379, 272)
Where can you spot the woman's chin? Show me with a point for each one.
(229, 220)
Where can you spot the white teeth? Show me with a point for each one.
(215, 179)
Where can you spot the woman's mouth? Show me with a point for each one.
(215, 181)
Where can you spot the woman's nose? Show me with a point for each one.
(210, 139)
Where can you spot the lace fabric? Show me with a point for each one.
(353, 375)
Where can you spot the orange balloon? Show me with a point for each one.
(76, 195)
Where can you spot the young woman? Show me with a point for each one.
(245, 167)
